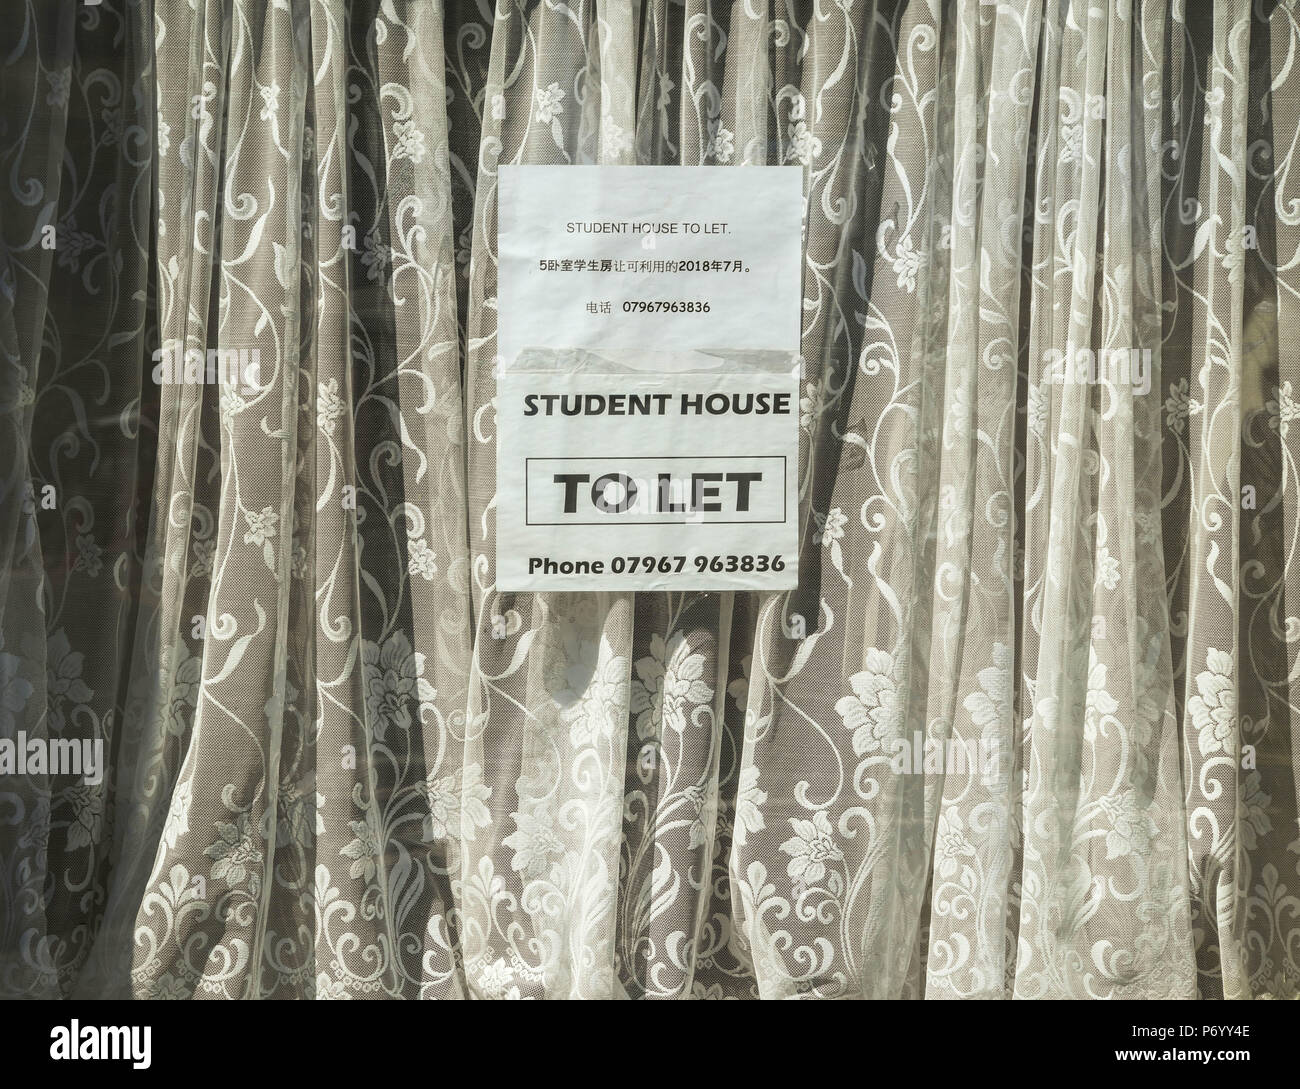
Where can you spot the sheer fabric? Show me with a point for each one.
(342, 765)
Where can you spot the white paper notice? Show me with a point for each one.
(648, 394)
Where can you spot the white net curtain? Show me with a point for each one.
(338, 763)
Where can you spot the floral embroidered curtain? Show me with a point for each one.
(1048, 495)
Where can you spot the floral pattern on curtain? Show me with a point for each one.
(341, 764)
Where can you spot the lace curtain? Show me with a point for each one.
(340, 764)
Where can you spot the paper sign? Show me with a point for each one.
(648, 394)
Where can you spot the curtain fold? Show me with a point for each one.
(248, 359)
